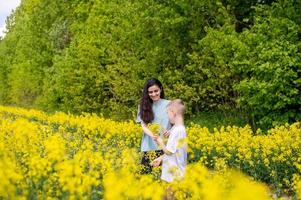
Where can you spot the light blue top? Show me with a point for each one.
(160, 117)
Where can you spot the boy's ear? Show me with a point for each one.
(174, 112)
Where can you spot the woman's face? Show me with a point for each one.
(154, 93)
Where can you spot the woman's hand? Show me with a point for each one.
(159, 140)
(155, 137)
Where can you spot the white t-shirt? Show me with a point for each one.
(173, 165)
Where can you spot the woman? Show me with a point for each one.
(152, 109)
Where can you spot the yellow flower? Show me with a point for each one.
(155, 128)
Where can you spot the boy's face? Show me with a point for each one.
(171, 114)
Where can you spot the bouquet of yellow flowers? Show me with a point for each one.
(156, 129)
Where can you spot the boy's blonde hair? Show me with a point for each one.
(178, 106)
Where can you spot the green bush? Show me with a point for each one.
(270, 73)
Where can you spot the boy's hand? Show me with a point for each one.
(166, 133)
(156, 162)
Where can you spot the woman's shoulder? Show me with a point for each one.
(165, 101)
(161, 104)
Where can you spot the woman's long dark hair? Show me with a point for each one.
(146, 112)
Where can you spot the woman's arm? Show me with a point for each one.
(147, 131)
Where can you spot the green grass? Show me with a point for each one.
(216, 119)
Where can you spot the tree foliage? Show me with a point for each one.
(94, 56)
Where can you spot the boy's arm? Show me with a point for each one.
(162, 145)
(157, 161)
(147, 131)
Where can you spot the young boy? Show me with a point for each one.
(174, 158)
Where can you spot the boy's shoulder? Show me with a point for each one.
(179, 129)
(182, 126)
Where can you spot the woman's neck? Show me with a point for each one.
(155, 102)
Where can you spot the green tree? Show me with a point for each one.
(270, 86)
(33, 50)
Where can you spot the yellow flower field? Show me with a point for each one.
(62, 156)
